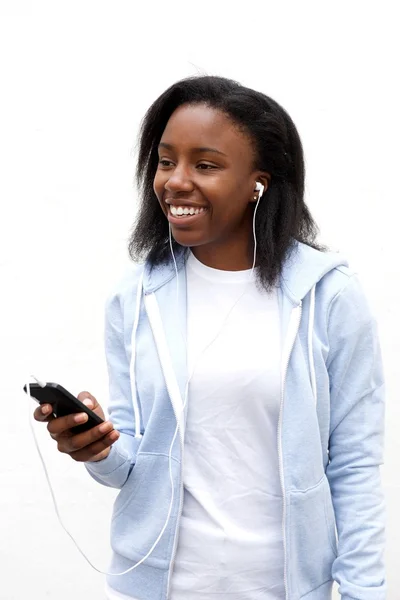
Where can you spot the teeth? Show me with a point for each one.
(180, 211)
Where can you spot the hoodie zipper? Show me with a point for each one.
(293, 328)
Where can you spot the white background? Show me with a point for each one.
(76, 77)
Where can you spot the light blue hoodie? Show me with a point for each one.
(330, 430)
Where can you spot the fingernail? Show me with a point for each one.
(88, 402)
(81, 418)
(45, 410)
(114, 436)
(105, 427)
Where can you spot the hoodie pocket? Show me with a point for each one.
(141, 510)
(312, 540)
(136, 476)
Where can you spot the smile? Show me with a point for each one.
(185, 211)
(182, 216)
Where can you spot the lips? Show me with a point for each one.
(177, 202)
(183, 210)
(181, 213)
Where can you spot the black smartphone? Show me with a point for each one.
(63, 403)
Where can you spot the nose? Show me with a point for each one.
(179, 180)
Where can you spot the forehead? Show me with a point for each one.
(202, 126)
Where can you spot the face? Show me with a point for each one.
(205, 182)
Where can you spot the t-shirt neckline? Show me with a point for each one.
(218, 275)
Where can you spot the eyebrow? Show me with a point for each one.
(199, 149)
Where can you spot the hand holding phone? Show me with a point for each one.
(76, 424)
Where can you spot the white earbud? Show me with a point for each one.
(260, 189)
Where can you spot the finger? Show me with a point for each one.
(89, 400)
(100, 456)
(73, 443)
(43, 413)
(98, 450)
(64, 424)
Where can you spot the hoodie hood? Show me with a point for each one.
(302, 270)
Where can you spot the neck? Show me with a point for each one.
(229, 256)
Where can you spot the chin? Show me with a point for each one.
(187, 239)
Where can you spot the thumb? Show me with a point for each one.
(88, 400)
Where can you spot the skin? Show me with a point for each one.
(92, 445)
(222, 180)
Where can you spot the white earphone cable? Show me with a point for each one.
(178, 417)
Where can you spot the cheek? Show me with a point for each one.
(228, 207)
(158, 185)
(158, 188)
(222, 196)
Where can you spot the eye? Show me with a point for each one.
(164, 162)
(205, 167)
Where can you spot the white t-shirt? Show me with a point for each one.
(230, 538)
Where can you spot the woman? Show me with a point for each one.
(246, 389)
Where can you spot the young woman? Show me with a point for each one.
(246, 389)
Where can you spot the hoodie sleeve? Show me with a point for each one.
(356, 445)
(114, 470)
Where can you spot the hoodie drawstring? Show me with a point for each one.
(135, 400)
(310, 344)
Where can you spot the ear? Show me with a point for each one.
(264, 178)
